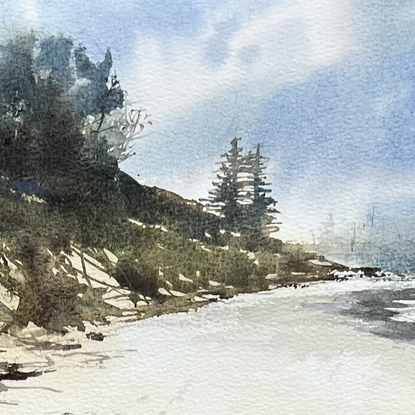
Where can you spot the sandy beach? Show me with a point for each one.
(275, 352)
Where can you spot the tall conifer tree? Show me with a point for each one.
(259, 212)
(240, 195)
(223, 199)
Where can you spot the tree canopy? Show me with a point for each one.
(240, 195)
(59, 110)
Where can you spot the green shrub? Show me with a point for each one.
(48, 300)
(137, 276)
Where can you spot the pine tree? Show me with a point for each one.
(240, 196)
(257, 213)
(224, 198)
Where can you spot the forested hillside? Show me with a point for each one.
(81, 240)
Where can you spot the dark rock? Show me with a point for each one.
(95, 336)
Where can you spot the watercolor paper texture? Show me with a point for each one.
(207, 207)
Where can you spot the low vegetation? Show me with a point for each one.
(79, 239)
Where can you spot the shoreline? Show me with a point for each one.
(309, 359)
(37, 340)
(23, 346)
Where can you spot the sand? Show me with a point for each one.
(266, 353)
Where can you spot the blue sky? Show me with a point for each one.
(327, 86)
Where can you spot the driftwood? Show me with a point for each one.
(12, 372)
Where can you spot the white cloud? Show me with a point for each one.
(18, 15)
(292, 39)
(30, 10)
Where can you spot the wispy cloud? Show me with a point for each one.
(280, 45)
(30, 10)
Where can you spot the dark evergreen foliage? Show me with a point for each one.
(240, 196)
(47, 88)
(259, 212)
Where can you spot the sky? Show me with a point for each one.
(326, 86)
